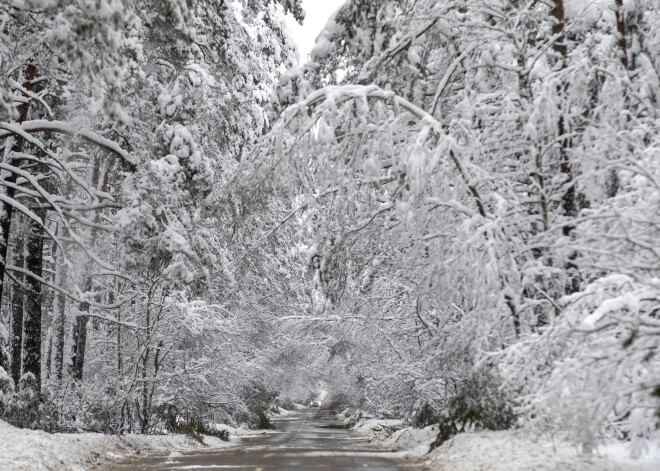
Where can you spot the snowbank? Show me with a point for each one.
(32, 449)
(511, 450)
(378, 430)
(514, 451)
(392, 434)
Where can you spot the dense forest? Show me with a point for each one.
(450, 213)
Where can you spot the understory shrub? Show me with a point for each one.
(479, 405)
(426, 416)
(264, 422)
(204, 428)
(174, 423)
(6, 391)
(25, 408)
(261, 401)
(338, 402)
(168, 414)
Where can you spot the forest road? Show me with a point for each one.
(302, 442)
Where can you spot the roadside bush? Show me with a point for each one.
(479, 405)
(264, 422)
(337, 403)
(203, 428)
(260, 403)
(6, 391)
(27, 408)
(426, 416)
(168, 413)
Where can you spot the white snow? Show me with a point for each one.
(511, 450)
(40, 125)
(32, 449)
(316, 15)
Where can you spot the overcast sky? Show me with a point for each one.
(317, 13)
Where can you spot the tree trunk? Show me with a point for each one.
(612, 184)
(120, 366)
(80, 329)
(60, 313)
(78, 347)
(16, 306)
(6, 209)
(568, 199)
(621, 29)
(33, 298)
(559, 46)
(49, 354)
(145, 360)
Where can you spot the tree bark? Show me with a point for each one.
(612, 184)
(80, 329)
(16, 306)
(78, 348)
(621, 29)
(120, 366)
(145, 360)
(33, 298)
(60, 312)
(559, 46)
(568, 199)
(6, 209)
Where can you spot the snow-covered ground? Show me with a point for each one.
(23, 450)
(511, 450)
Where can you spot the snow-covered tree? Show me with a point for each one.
(473, 166)
(121, 122)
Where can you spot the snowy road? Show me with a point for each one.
(300, 443)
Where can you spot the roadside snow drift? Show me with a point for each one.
(510, 450)
(23, 450)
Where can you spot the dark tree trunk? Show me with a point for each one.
(79, 344)
(568, 199)
(49, 355)
(559, 46)
(6, 209)
(33, 298)
(120, 366)
(80, 328)
(612, 184)
(5, 225)
(621, 29)
(16, 306)
(60, 317)
(145, 361)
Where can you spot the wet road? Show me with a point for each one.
(300, 443)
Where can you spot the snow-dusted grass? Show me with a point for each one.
(23, 450)
(511, 450)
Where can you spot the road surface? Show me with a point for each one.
(300, 443)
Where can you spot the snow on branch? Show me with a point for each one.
(336, 94)
(42, 125)
(397, 49)
(55, 205)
(35, 96)
(78, 299)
